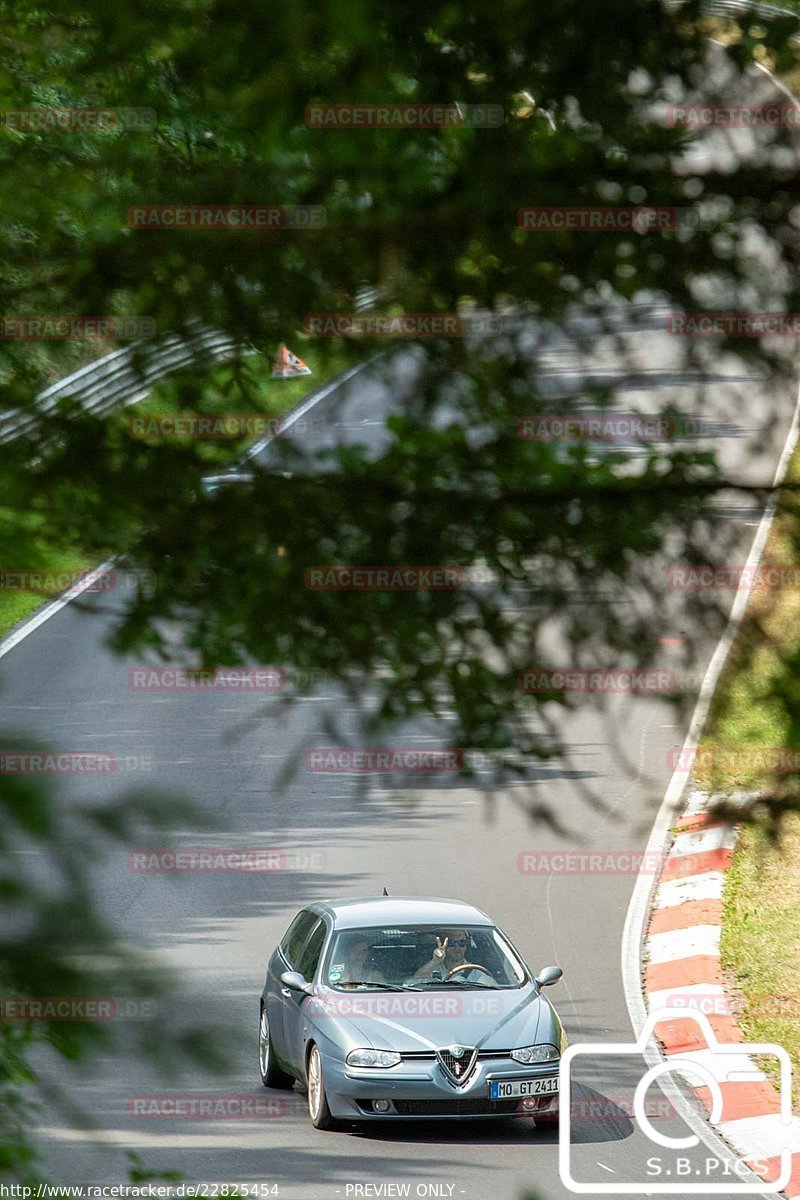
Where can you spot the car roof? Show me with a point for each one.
(365, 911)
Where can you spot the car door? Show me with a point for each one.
(293, 1013)
(285, 958)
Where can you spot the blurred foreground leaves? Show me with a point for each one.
(58, 942)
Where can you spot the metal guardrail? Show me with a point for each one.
(367, 297)
(126, 376)
(123, 377)
(738, 8)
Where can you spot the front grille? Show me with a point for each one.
(429, 1055)
(458, 1068)
(454, 1108)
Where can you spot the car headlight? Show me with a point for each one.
(372, 1058)
(536, 1054)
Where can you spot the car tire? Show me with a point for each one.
(318, 1112)
(271, 1074)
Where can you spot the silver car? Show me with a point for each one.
(396, 1008)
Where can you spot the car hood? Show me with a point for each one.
(412, 1022)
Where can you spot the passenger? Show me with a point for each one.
(357, 967)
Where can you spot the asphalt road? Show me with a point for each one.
(227, 753)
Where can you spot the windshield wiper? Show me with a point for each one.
(384, 987)
(424, 981)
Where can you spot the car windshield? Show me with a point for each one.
(477, 956)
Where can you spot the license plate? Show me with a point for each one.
(507, 1089)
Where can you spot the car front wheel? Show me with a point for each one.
(271, 1074)
(318, 1111)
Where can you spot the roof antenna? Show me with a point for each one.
(385, 891)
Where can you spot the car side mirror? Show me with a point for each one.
(295, 982)
(548, 976)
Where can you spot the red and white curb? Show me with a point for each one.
(682, 971)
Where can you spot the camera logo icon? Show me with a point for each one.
(673, 1173)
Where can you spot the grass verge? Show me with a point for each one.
(761, 942)
(755, 712)
(760, 945)
(58, 566)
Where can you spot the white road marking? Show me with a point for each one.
(33, 623)
(707, 886)
(700, 841)
(721, 1063)
(714, 999)
(684, 943)
(763, 1137)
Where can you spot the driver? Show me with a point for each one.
(451, 952)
